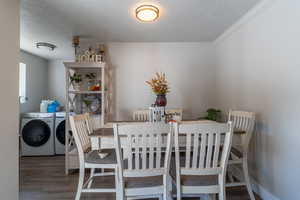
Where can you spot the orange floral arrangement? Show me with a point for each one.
(159, 84)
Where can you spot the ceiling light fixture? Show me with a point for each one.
(147, 13)
(45, 45)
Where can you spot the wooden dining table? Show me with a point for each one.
(103, 138)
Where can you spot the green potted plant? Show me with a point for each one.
(76, 81)
(213, 114)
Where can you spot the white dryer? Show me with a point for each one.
(60, 132)
(37, 138)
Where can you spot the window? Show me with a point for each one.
(22, 83)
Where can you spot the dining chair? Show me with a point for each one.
(243, 122)
(157, 114)
(90, 159)
(143, 160)
(201, 167)
(140, 115)
(92, 125)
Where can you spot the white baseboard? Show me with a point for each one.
(262, 192)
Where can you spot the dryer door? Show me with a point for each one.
(60, 132)
(36, 133)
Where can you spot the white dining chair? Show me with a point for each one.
(143, 160)
(90, 159)
(201, 167)
(243, 122)
(140, 115)
(157, 114)
(92, 125)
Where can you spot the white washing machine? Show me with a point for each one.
(60, 130)
(37, 137)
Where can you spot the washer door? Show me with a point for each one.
(60, 132)
(36, 133)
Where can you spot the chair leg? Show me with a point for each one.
(120, 193)
(91, 176)
(212, 197)
(230, 176)
(178, 187)
(170, 188)
(247, 179)
(222, 193)
(165, 181)
(80, 183)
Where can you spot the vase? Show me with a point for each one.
(161, 100)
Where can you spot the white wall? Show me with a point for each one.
(36, 81)
(57, 80)
(188, 66)
(9, 56)
(258, 69)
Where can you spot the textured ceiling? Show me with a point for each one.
(56, 21)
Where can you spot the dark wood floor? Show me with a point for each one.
(43, 178)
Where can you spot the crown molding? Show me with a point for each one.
(251, 14)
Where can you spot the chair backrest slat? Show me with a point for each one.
(188, 150)
(203, 151)
(151, 151)
(158, 150)
(137, 151)
(203, 138)
(144, 151)
(129, 151)
(216, 150)
(195, 151)
(209, 150)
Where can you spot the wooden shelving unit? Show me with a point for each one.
(75, 103)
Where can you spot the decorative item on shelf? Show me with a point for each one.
(87, 103)
(76, 41)
(91, 81)
(96, 86)
(76, 81)
(100, 51)
(92, 104)
(214, 114)
(159, 86)
(89, 56)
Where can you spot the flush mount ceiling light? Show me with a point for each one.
(45, 45)
(147, 13)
